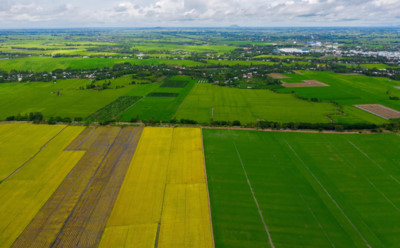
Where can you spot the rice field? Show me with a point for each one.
(161, 103)
(24, 193)
(146, 211)
(272, 189)
(20, 142)
(206, 102)
(347, 91)
(162, 187)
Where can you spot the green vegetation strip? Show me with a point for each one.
(113, 109)
(311, 189)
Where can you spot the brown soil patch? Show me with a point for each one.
(299, 72)
(76, 214)
(306, 83)
(277, 76)
(82, 137)
(380, 110)
(397, 87)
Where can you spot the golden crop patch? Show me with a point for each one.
(186, 161)
(25, 192)
(164, 195)
(19, 142)
(141, 195)
(185, 221)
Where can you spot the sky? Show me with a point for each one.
(197, 13)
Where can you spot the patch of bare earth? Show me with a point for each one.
(306, 83)
(277, 76)
(298, 72)
(380, 110)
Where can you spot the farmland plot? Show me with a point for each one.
(163, 200)
(206, 102)
(20, 142)
(25, 192)
(348, 91)
(77, 212)
(161, 104)
(303, 190)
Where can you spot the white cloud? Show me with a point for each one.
(137, 13)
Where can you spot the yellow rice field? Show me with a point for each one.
(25, 192)
(185, 221)
(186, 162)
(164, 189)
(19, 142)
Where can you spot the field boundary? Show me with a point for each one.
(254, 198)
(208, 192)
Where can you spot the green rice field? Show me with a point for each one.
(161, 103)
(270, 189)
(207, 101)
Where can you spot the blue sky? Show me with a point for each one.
(199, 13)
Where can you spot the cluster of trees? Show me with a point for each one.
(35, 117)
(94, 86)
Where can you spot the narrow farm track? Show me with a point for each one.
(45, 227)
